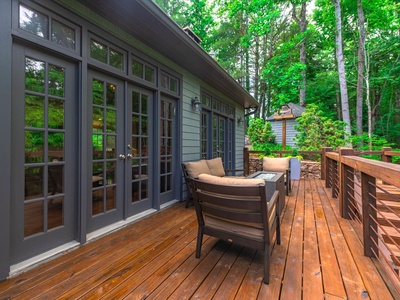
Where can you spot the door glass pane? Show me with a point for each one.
(34, 146)
(104, 141)
(139, 147)
(55, 212)
(55, 146)
(56, 81)
(34, 182)
(55, 183)
(56, 114)
(34, 75)
(44, 145)
(166, 145)
(137, 69)
(34, 111)
(33, 218)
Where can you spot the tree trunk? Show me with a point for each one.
(302, 23)
(361, 66)
(341, 68)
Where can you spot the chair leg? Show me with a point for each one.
(199, 242)
(278, 230)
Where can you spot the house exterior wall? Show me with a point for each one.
(290, 131)
(188, 124)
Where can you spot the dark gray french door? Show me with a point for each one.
(168, 176)
(121, 150)
(217, 137)
(44, 154)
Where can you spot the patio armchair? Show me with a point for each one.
(278, 164)
(213, 166)
(237, 210)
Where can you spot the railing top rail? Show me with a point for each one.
(387, 172)
(333, 155)
(391, 153)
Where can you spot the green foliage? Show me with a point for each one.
(260, 132)
(317, 130)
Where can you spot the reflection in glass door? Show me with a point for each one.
(167, 142)
(104, 137)
(44, 123)
(107, 130)
(139, 149)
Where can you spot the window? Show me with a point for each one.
(143, 70)
(170, 83)
(106, 54)
(46, 27)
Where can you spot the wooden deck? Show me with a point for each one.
(320, 258)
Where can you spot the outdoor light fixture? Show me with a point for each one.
(196, 104)
(240, 121)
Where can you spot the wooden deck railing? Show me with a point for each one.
(369, 194)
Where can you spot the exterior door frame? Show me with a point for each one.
(52, 237)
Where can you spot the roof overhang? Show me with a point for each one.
(147, 22)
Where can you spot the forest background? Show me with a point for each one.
(339, 57)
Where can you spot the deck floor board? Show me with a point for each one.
(320, 257)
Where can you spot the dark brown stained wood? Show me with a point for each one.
(320, 257)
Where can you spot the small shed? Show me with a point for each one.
(285, 121)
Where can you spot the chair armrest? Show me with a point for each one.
(274, 202)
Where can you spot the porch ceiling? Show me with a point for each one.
(145, 21)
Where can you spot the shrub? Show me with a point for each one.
(260, 133)
(317, 131)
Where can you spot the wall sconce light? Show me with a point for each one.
(240, 121)
(196, 104)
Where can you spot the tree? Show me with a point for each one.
(302, 23)
(341, 67)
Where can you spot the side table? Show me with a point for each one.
(273, 181)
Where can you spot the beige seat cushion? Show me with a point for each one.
(273, 164)
(195, 168)
(230, 180)
(216, 167)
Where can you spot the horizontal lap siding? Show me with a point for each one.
(290, 131)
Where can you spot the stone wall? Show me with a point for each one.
(309, 169)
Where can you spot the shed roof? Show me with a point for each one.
(296, 111)
(147, 22)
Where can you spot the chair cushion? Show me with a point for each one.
(195, 168)
(216, 167)
(230, 180)
(272, 164)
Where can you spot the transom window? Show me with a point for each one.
(46, 27)
(169, 83)
(106, 54)
(143, 70)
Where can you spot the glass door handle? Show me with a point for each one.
(121, 157)
(129, 155)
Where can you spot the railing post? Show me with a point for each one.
(323, 162)
(369, 215)
(346, 185)
(335, 175)
(386, 158)
(246, 159)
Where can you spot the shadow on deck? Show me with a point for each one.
(320, 257)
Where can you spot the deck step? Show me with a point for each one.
(388, 219)
(387, 205)
(393, 233)
(395, 191)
